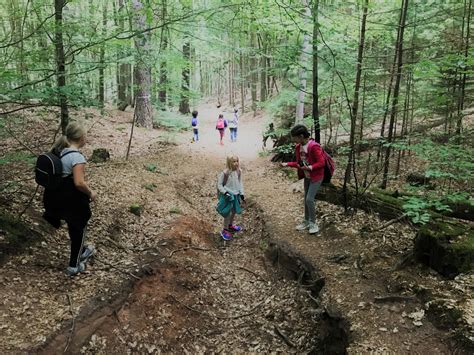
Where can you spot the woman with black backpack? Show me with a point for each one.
(70, 201)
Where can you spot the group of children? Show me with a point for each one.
(310, 163)
(221, 125)
(71, 201)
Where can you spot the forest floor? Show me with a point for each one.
(164, 281)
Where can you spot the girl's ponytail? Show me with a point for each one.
(61, 143)
(73, 133)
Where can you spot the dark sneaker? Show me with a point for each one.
(235, 228)
(87, 253)
(73, 271)
(226, 235)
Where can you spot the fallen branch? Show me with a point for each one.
(187, 248)
(284, 337)
(253, 273)
(71, 332)
(392, 221)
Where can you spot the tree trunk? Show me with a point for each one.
(464, 74)
(102, 58)
(162, 93)
(350, 167)
(315, 95)
(242, 83)
(395, 92)
(305, 48)
(60, 62)
(124, 77)
(184, 103)
(143, 108)
(253, 71)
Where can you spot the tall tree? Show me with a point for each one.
(303, 63)
(60, 62)
(396, 91)
(467, 20)
(315, 94)
(124, 76)
(142, 73)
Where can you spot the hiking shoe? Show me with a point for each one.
(313, 228)
(302, 226)
(226, 235)
(88, 251)
(73, 271)
(234, 228)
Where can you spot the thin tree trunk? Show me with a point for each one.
(253, 71)
(464, 74)
(184, 102)
(350, 167)
(102, 58)
(395, 92)
(60, 62)
(242, 83)
(162, 93)
(304, 56)
(315, 94)
(124, 82)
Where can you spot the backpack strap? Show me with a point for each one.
(226, 176)
(71, 151)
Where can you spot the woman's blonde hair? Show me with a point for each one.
(73, 133)
(230, 160)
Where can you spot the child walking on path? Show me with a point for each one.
(231, 196)
(233, 124)
(194, 124)
(221, 125)
(310, 164)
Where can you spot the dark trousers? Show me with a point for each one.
(77, 234)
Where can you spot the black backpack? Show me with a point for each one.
(49, 170)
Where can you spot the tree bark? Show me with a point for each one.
(124, 77)
(396, 91)
(102, 58)
(184, 103)
(464, 74)
(60, 62)
(143, 107)
(315, 94)
(305, 48)
(162, 93)
(350, 167)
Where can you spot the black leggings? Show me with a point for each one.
(77, 234)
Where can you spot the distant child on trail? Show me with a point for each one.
(194, 124)
(221, 125)
(310, 164)
(233, 124)
(231, 196)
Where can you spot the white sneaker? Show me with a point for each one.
(302, 226)
(73, 271)
(313, 228)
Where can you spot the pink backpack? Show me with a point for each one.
(220, 123)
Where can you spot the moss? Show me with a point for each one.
(446, 246)
(136, 209)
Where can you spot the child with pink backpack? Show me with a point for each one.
(221, 125)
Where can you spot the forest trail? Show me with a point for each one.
(249, 139)
(196, 293)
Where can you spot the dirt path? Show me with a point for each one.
(164, 281)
